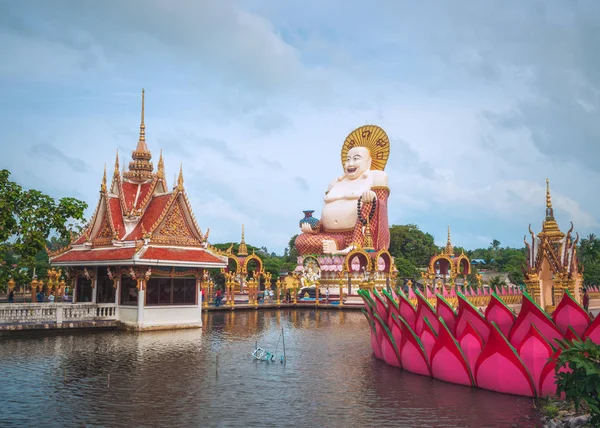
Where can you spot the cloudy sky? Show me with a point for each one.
(481, 100)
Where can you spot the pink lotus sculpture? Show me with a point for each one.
(498, 350)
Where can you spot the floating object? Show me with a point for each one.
(263, 355)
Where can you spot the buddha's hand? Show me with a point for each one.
(306, 228)
(368, 196)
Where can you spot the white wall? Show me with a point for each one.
(128, 314)
(172, 315)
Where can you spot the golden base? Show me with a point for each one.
(550, 308)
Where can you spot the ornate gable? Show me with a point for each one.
(174, 227)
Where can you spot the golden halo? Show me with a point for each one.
(373, 138)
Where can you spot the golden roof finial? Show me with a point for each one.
(243, 249)
(103, 186)
(116, 173)
(449, 250)
(161, 166)
(550, 228)
(180, 178)
(142, 125)
(141, 167)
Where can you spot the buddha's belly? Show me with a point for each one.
(339, 215)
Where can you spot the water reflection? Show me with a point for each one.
(173, 379)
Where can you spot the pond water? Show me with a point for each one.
(207, 378)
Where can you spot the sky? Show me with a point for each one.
(482, 101)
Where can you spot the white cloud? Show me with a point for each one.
(256, 99)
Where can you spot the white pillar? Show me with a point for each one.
(199, 291)
(140, 305)
(95, 286)
(75, 290)
(117, 296)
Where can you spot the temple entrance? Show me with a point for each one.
(106, 293)
(84, 290)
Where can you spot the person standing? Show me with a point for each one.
(11, 296)
(327, 295)
(586, 300)
(218, 297)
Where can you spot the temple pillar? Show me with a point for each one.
(75, 289)
(141, 286)
(95, 286)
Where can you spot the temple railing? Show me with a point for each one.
(477, 301)
(58, 313)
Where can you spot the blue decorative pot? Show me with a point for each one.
(308, 218)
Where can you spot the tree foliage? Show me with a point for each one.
(581, 383)
(27, 219)
(412, 244)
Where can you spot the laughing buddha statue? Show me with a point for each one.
(349, 199)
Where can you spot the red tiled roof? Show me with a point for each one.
(180, 254)
(95, 255)
(129, 192)
(117, 216)
(144, 189)
(150, 216)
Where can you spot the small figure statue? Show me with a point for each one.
(362, 189)
(311, 275)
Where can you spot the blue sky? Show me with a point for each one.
(481, 100)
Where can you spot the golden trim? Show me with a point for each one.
(373, 138)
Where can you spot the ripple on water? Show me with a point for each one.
(171, 378)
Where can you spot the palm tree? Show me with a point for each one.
(495, 283)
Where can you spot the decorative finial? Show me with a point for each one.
(142, 126)
(449, 250)
(103, 186)
(549, 210)
(180, 178)
(243, 249)
(116, 173)
(161, 166)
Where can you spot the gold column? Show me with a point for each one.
(268, 276)
(34, 286)
(278, 290)
(211, 290)
(533, 287)
(317, 287)
(204, 286)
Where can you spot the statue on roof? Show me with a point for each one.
(355, 201)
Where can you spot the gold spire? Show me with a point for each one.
(180, 178)
(449, 250)
(160, 172)
(550, 228)
(116, 173)
(103, 185)
(140, 168)
(242, 249)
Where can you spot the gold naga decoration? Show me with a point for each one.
(373, 138)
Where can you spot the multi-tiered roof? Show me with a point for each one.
(140, 221)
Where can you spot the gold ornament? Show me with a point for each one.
(373, 138)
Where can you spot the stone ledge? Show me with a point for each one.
(54, 326)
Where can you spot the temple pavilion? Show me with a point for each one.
(142, 249)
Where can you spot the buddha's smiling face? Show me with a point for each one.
(357, 163)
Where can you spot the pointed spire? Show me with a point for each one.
(550, 228)
(141, 167)
(103, 186)
(180, 178)
(549, 210)
(449, 250)
(116, 173)
(243, 249)
(160, 172)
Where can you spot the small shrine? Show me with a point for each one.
(238, 283)
(142, 249)
(552, 265)
(447, 266)
(348, 245)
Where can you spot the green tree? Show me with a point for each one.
(410, 243)
(27, 219)
(495, 282)
(405, 268)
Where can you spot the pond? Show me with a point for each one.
(207, 378)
